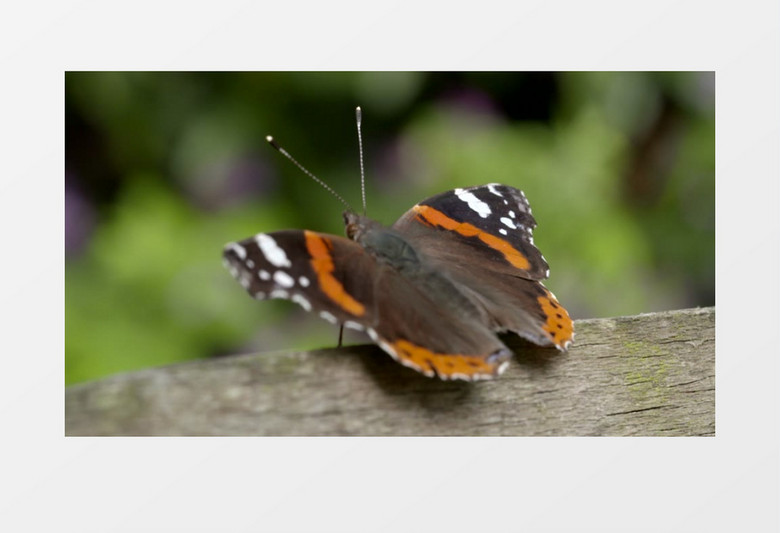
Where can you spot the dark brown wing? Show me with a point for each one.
(408, 316)
(482, 238)
(493, 223)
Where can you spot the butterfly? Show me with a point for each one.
(432, 290)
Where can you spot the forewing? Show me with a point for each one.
(491, 223)
(482, 238)
(307, 268)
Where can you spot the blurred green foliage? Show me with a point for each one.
(162, 169)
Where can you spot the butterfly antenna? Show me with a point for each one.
(286, 154)
(359, 119)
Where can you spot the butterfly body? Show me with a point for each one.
(432, 290)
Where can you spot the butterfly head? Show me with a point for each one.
(356, 226)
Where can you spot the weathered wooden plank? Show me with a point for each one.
(651, 374)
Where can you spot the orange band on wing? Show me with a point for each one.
(444, 365)
(558, 326)
(434, 217)
(322, 263)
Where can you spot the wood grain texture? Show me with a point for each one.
(648, 375)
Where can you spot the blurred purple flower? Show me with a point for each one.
(232, 181)
(471, 100)
(79, 220)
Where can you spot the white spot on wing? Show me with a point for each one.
(304, 281)
(492, 188)
(328, 316)
(272, 251)
(237, 248)
(300, 300)
(474, 203)
(502, 231)
(279, 293)
(508, 222)
(283, 279)
(264, 275)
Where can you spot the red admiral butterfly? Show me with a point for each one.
(432, 290)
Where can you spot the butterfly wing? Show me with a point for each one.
(299, 266)
(336, 278)
(482, 237)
